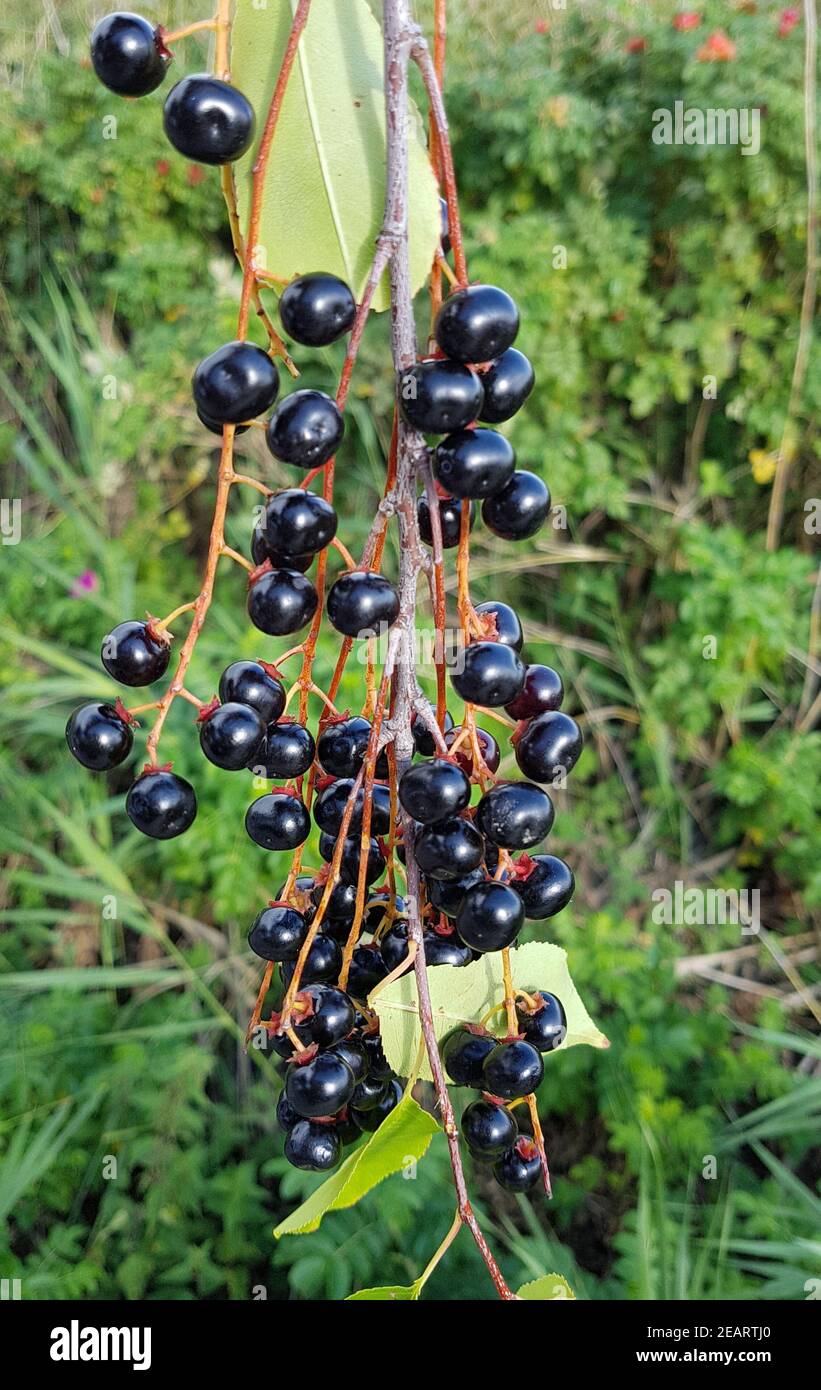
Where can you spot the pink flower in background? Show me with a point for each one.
(85, 583)
(787, 22)
(719, 48)
(542, 26)
(637, 45)
(687, 19)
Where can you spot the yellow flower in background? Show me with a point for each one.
(763, 464)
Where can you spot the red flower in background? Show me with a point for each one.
(719, 48)
(637, 45)
(194, 174)
(542, 26)
(687, 19)
(787, 22)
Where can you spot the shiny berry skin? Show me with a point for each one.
(299, 522)
(488, 747)
(281, 601)
(208, 120)
(489, 1130)
(353, 1053)
(490, 917)
(519, 509)
(507, 624)
(542, 690)
(476, 324)
(446, 894)
(235, 382)
(377, 906)
(360, 602)
(216, 427)
(394, 944)
(378, 1063)
(545, 1029)
(492, 674)
(422, 736)
(515, 815)
(305, 429)
(463, 1056)
(450, 520)
(128, 55)
(277, 933)
(512, 1070)
(161, 804)
(133, 655)
(548, 887)
(367, 970)
(319, 1087)
(248, 683)
(508, 382)
(436, 397)
(317, 309)
(98, 737)
(230, 737)
(369, 1093)
(314, 1147)
(474, 463)
(287, 750)
(329, 808)
(277, 821)
(332, 1018)
(262, 551)
(322, 965)
(444, 949)
(341, 907)
(549, 747)
(520, 1168)
(341, 746)
(432, 791)
(450, 849)
(370, 1120)
(444, 227)
(349, 863)
(286, 1114)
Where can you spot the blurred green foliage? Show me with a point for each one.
(642, 270)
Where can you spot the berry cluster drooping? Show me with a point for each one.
(378, 799)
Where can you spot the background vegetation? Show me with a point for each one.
(126, 980)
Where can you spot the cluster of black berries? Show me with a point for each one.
(505, 1070)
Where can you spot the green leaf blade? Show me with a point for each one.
(550, 1288)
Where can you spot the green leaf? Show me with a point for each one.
(325, 181)
(464, 994)
(546, 1289)
(403, 1136)
(390, 1293)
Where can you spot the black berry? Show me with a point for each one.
(367, 969)
(252, 683)
(549, 747)
(515, 815)
(512, 1070)
(277, 821)
(545, 1028)
(230, 736)
(319, 1087)
(99, 737)
(161, 804)
(331, 1017)
(450, 519)
(235, 382)
(208, 120)
(492, 674)
(422, 736)
(542, 690)
(519, 509)
(436, 397)
(463, 1055)
(490, 917)
(317, 309)
(508, 382)
(474, 463)
(370, 1120)
(278, 933)
(128, 55)
(432, 791)
(341, 746)
(352, 1051)
(464, 755)
(520, 1168)
(322, 965)
(351, 854)
(508, 628)
(134, 655)
(299, 522)
(262, 551)
(369, 1093)
(488, 1129)
(547, 888)
(476, 324)
(315, 1147)
(281, 601)
(305, 429)
(287, 751)
(450, 849)
(446, 894)
(360, 602)
(329, 808)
